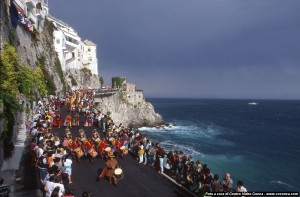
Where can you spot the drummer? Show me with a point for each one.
(95, 135)
(101, 147)
(110, 166)
(75, 144)
(88, 146)
(81, 134)
(68, 134)
(118, 145)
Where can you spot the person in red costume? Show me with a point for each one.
(118, 145)
(57, 105)
(68, 121)
(88, 146)
(57, 121)
(73, 146)
(102, 145)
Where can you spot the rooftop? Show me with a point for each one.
(89, 43)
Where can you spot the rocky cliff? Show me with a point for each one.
(128, 113)
(37, 47)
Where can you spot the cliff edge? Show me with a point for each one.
(125, 104)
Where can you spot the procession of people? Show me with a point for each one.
(53, 154)
(90, 135)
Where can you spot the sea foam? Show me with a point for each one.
(282, 183)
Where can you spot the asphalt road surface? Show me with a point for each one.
(139, 180)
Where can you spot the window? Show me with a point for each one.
(89, 49)
(57, 41)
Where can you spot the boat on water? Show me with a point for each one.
(253, 103)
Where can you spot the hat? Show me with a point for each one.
(110, 154)
(81, 131)
(95, 131)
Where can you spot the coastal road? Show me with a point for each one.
(139, 179)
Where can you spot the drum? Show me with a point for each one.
(119, 174)
(84, 140)
(107, 149)
(70, 142)
(79, 152)
(92, 152)
(125, 151)
(122, 147)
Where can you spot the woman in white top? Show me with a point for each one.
(240, 187)
(49, 186)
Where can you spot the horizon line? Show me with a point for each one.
(278, 99)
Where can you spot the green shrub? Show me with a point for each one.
(73, 81)
(117, 82)
(86, 71)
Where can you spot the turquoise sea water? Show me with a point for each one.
(259, 144)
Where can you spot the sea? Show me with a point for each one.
(258, 144)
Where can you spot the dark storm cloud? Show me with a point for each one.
(193, 48)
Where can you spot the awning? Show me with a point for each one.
(19, 8)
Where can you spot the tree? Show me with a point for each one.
(39, 81)
(101, 81)
(8, 73)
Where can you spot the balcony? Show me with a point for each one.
(30, 4)
(21, 4)
(32, 18)
(71, 45)
(40, 14)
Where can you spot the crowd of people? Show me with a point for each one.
(182, 168)
(54, 155)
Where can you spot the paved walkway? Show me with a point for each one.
(139, 179)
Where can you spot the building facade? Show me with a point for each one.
(72, 51)
(31, 13)
(131, 94)
(89, 58)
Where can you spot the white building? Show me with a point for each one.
(35, 10)
(72, 52)
(89, 59)
(67, 44)
(60, 47)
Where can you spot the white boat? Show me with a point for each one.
(253, 103)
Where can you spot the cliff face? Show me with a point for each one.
(126, 106)
(132, 114)
(33, 46)
(82, 79)
(37, 47)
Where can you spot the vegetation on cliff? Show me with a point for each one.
(16, 80)
(73, 81)
(117, 82)
(86, 71)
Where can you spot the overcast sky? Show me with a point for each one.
(194, 48)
